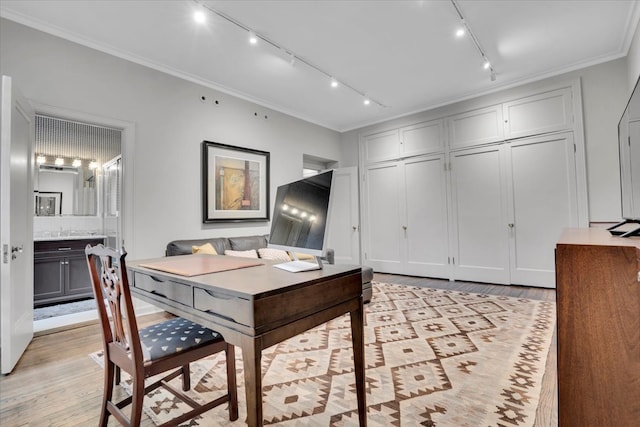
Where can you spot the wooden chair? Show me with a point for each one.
(135, 351)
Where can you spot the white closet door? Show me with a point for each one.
(344, 228)
(543, 187)
(382, 217)
(480, 238)
(426, 235)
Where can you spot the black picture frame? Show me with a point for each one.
(235, 183)
(47, 203)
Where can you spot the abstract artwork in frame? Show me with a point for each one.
(235, 183)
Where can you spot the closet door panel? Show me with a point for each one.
(543, 187)
(542, 113)
(426, 235)
(422, 138)
(381, 146)
(476, 127)
(481, 238)
(383, 218)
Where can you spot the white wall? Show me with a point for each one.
(170, 124)
(604, 97)
(633, 61)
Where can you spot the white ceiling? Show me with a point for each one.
(402, 54)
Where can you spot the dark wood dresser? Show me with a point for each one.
(598, 308)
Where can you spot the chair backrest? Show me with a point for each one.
(110, 284)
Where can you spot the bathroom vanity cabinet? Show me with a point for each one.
(60, 272)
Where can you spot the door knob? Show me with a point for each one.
(15, 250)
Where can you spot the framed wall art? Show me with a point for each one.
(47, 203)
(235, 183)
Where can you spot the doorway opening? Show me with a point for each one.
(78, 199)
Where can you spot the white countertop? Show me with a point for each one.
(69, 237)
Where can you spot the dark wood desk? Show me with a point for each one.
(257, 307)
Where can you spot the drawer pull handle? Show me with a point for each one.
(222, 316)
(153, 291)
(219, 296)
(64, 249)
(156, 279)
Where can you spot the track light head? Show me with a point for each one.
(199, 17)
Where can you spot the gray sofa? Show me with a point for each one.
(184, 247)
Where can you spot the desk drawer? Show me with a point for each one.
(237, 309)
(174, 291)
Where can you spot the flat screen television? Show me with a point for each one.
(629, 154)
(300, 219)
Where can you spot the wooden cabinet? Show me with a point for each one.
(60, 272)
(598, 309)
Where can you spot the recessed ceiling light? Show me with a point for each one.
(252, 37)
(460, 32)
(487, 64)
(367, 101)
(334, 83)
(199, 17)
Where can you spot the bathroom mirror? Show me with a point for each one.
(76, 186)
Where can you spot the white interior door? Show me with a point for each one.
(427, 236)
(382, 219)
(544, 202)
(344, 226)
(481, 244)
(16, 225)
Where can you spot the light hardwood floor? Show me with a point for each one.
(57, 384)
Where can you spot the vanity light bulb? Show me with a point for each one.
(41, 159)
(303, 215)
(285, 207)
(59, 161)
(312, 218)
(93, 165)
(294, 211)
(76, 163)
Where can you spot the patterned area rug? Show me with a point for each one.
(434, 358)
